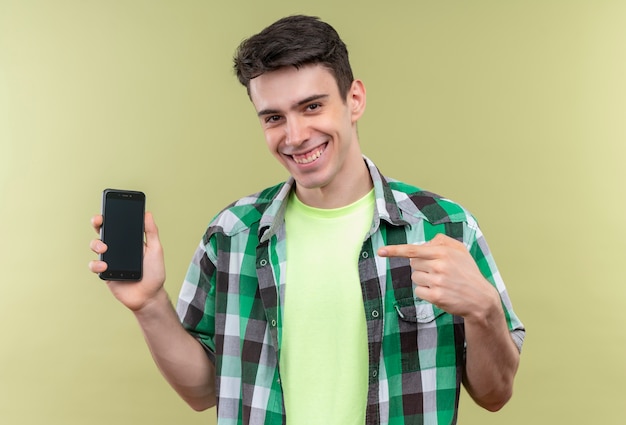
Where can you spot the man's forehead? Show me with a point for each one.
(286, 87)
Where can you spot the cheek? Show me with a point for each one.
(272, 138)
(337, 122)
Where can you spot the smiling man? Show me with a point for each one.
(340, 296)
(311, 129)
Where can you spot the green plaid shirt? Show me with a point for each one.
(232, 300)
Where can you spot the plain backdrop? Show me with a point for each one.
(516, 110)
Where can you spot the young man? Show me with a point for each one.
(340, 296)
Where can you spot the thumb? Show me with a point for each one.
(440, 239)
(151, 229)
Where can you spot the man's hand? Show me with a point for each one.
(446, 275)
(135, 295)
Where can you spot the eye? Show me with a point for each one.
(272, 119)
(313, 106)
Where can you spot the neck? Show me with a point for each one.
(354, 183)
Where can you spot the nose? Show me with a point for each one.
(296, 131)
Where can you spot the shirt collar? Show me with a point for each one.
(387, 207)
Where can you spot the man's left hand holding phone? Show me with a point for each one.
(133, 269)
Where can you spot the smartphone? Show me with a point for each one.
(122, 230)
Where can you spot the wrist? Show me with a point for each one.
(153, 305)
(489, 312)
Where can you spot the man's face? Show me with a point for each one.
(308, 127)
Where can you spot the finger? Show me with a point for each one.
(420, 278)
(98, 246)
(444, 240)
(408, 251)
(420, 264)
(96, 222)
(97, 266)
(423, 292)
(404, 250)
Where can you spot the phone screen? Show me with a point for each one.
(122, 230)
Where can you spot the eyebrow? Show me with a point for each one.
(296, 105)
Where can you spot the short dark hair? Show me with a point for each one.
(296, 41)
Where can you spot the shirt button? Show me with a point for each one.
(374, 373)
(375, 314)
(273, 322)
(263, 262)
(364, 254)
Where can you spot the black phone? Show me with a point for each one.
(123, 232)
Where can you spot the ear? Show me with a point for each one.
(356, 100)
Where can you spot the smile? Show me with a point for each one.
(310, 156)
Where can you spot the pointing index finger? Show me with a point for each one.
(403, 250)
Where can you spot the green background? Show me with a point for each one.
(515, 109)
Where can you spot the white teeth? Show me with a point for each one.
(309, 157)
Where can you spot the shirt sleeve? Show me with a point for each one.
(482, 255)
(196, 301)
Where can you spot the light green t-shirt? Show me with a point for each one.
(324, 355)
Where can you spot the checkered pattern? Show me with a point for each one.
(231, 301)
